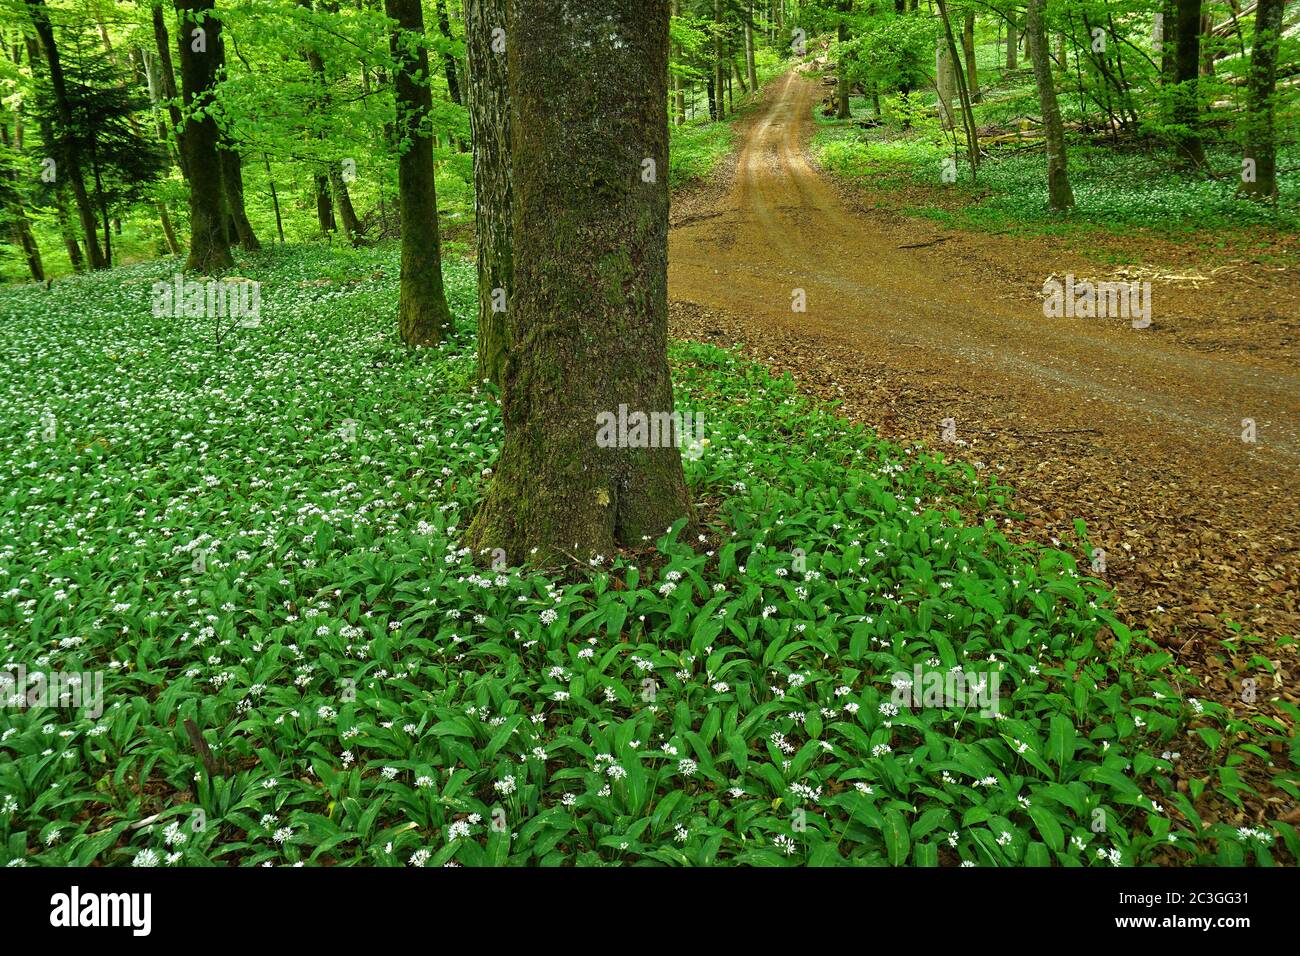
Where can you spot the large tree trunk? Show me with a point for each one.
(69, 161)
(1261, 145)
(1187, 60)
(209, 243)
(1059, 195)
(489, 118)
(423, 317)
(588, 325)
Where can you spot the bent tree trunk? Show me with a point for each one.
(1059, 195)
(588, 326)
(199, 39)
(1261, 145)
(423, 317)
(489, 120)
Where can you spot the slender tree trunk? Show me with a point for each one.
(589, 322)
(200, 38)
(167, 85)
(275, 197)
(69, 161)
(1261, 145)
(324, 205)
(423, 316)
(233, 180)
(1059, 195)
(944, 81)
(489, 118)
(842, 80)
(448, 61)
(719, 68)
(169, 232)
(968, 114)
(22, 228)
(679, 94)
(1187, 59)
(968, 51)
(68, 231)
(343, 202)
(749, 47)
(1011, 44)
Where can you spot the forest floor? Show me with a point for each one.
(1137, 432)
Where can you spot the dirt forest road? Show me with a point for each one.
(1137, 431)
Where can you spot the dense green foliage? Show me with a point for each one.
(262, 537)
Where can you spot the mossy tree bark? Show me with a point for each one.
(489, 117)
(209, 242)
(1261, 143)
(423, 317)
(588, 326)
(1059, 195)
(69, 160)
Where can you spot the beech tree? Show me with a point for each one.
(199, 39)
(1261, 144)
(1059, 195)
(589, 315)
(487, 24)
(423, 317)
(1187, 65)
